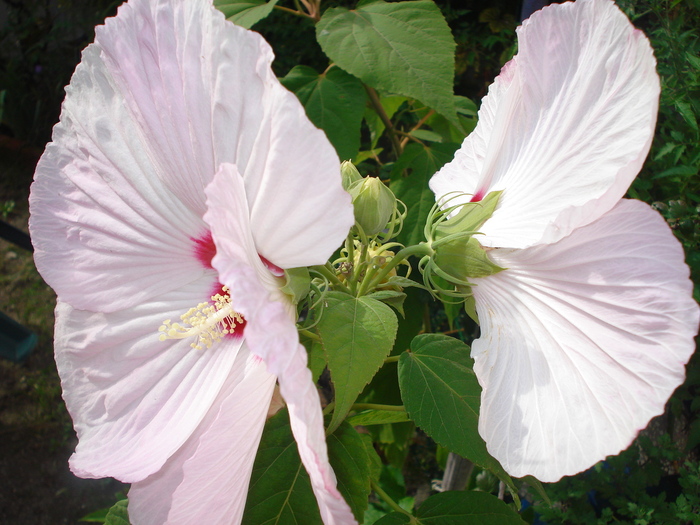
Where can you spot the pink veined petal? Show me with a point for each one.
(135, 399)
(107, 233)
(565, 130)
(164, 58)
(206, 480)
(299, 211)
(229, 107)
(583, 341)
(271, 334)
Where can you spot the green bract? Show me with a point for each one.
(457, 253)
(349, 174)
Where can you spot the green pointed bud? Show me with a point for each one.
(349, 174)
(298, 283)
(374, 204)
(470, 217)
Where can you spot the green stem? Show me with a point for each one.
(377, 105)
(368, 278)
(329, 273)
(329, 408)
(374, 406)
(310, 335)
(395, 506)
(419, 249)
(293, 12)
(392, 359)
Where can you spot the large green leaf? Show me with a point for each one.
(459, 508)
(395, 518)
(334, 101)
(409, 182)
(280, 489)
(357, 334)
(348, 455)
(400, 47)
(245, 13)
(442, 395)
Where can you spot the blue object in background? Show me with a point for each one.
(16, 341)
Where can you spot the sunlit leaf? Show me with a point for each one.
(357, 334)
(334, 101)
(245, 13)
(442, 395)
(400, 47)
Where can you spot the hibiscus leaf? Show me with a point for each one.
(245, 13)
(442, 395)
(280, 490)
(394, 518)
(409, 182)
(334, 101)
(466, 508)
(118, 514)
(357, 334)
(401, 47)
(348, 456)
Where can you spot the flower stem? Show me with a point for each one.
(374, 406)
(395, 506)
(293, 12)
(329, 273)
(309, 334)
(418, 249)
(377, 105)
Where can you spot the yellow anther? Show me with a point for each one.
(208, 322)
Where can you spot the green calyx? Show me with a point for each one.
(457, 253)
(298, 283)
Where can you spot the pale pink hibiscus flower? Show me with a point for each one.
(181, 165)
(586, 333)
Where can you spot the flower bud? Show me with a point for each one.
(374, 204)
(349, 174)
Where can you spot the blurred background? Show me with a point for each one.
(657, 481)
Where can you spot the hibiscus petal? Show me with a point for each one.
(135, 399)
(107, 233)
(270, 333)
(566, 127)
(193, 76)
(300, 164)
(583, 341)
(206, 481)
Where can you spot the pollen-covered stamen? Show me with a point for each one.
(208, 322)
